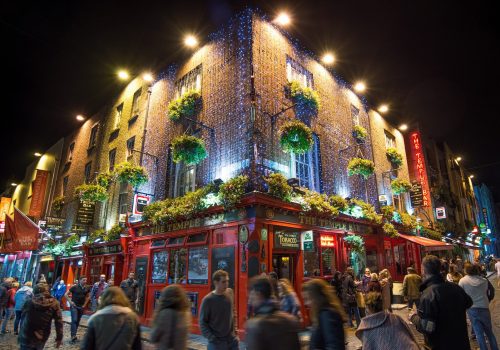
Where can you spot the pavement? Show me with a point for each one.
(197, 342)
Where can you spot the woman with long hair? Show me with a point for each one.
(385, 280)
(327, 315)
(172, 319)
(114, 326)
(288, 299)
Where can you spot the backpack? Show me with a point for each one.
(490, 292)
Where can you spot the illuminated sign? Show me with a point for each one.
(4, 207)
(140, 201)
(327, 241)
(419, 170)
(440, 213)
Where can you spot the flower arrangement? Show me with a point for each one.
(135, 175)
(359, 133)
(232, 191)
(296, 137)
(185, 106)
(113, 233)
(394, 156)
(58, 204)
(188, 149)
(319, 204)
(390, 230)
(338, 202)
(278, 186)
(91, 193)
(360, 166)
(105, 179)
(399, 186)
(388, 212)
(306, 99)
(367, 211)
(356, 243)
(95, 235)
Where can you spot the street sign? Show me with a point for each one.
(440, 213)
(416, 196)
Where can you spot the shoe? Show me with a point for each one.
(74, 340)
(16, 333)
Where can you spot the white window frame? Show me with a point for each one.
(313, 166)
(135, 102)
(190, 81)
(390, 140)
(295, 72)
(118, 116)
(355, 115)
(185, 179)
(130, 151)
(111, 151)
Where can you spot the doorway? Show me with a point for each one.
(284, 266)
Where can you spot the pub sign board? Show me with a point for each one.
(108, 249)
(85, 214)
(286, 240)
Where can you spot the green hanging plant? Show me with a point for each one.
(399, 186)
(394, 156)
(134, 175)
(390, 230)
(359, 133)
(278, 186)
(188, 149)
(356, 243)
(338, 202)
(95, 235)
(319, 204)
(306, 99)
(360, 209)
(58, 204)
(185, 106)
(408, 221)
(232, 190)
(91, 193)
(388, 212)
(360, 166)
(113, 233)
(296, 137)
(105, 179)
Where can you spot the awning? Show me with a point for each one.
(427, 243)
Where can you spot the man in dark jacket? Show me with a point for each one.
(349, 297)
(38, 314)
(441, 312)
(270, 328)
(130, 286)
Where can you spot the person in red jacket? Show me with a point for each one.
(9, 308)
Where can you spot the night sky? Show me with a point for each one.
(434, 63)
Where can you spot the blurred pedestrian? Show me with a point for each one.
(385, 280)
(441, 313)
(411, 288)
(130, 287)
(382, 330)
(217, 315)
(327, 315)
(78, 301)
(273, 278)
(24, 294)
(374, 284)
(349, 297)
(336, 283)
(460, 264)
(5, 286)
(37, 314)
(111, 282)
(115, 326)
(497, 268)
(453, 276)
(54, 287)
(9, 306)
(96, 291)
(289, 302)
(60, 290)
(270, 328)
(172, 319)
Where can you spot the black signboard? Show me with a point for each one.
(108, 249)
(286, 240)
(141, 266)
(193, 298)
(85, 213)
(416, 196)
(198, 265)
(223, 259)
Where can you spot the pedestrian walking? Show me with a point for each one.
(411, 288)
(327, 316)
(453, 276)
(54, 287)
(130, 287)
(172, 319)
(382, 330)
(24, 294)
(289, 302)
(349, 297)
(217, 315)
(441, 313)
(5, 286)
(374, 284)
(60, 290)
(37, 314)
(270, 328)
(476, 287)
(96, 291)
(385, 280)
(9, 307)
(115, 326)
(336, 283)
(78, 301)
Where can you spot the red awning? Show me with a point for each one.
(428, 243)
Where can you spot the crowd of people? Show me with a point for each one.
(448, 293)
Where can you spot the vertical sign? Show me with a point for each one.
(485, 216)
(85, 213)
(4, 207)
(419, 170)
(38, 193)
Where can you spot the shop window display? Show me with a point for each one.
(177, 266)
(159, 273)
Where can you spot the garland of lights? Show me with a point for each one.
(360, 166)
(185, 106)
(188, 149)
(394, 157)
(399, 186)
(359, 133)
(296, 137)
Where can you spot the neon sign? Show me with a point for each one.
(419, 170)
(327, 241)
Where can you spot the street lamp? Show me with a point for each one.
(123, 75)
(190, 41)
(471, 176)
(360, 86)
(13, 184)
(403, 127)
(283, 19)
(80, 118)
(328, 58)
(37, 154)
(148, 77)
(383, 108)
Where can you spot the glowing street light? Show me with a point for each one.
(13, 184)
(458, 159)
(383, 108)
(403, 127)
(37, 154)
(283, 19)
(148, 77)
(190, 41)
(123, 75)
(471, 176)
(328, 58)
(360, 86)
(80, 118)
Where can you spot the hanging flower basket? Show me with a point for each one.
(91, 193)
(296, 137)
(188, 149)
(306, 100)
(58, 204)
(105, 180)
(185, 106)
(395, 157)
(359, 133)
(390, 230)
(232, 190)
(356, 243)
(134, 175)
(360, 166)
(278, 186)
(399, 186)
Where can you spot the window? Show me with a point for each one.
(135, 103)
(159, 271)
(112, 158)
(197, 238)
(123, 199)
(295, 72)
(306, 167)
(390, 140)
(190, 81)
(185, 179)
(130, 146)
(177, 266)
(118, 116)
(71, 149)
(327, 261)
(93, 136)
(88, 172)
(198, 265)
(65, 185)
(173, 241)
(355, 115)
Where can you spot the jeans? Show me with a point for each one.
(19, 319)
(229, 344)
(76, 316)
(350, 310)
(8, 313)
(481, 323)
(413, 301)
(31, 347)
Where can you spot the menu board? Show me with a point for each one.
(223, 259)
(85, 213)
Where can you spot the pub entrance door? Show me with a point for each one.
(284, 266)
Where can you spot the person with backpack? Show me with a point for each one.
(24, 294)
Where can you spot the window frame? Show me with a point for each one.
(294, 69)
(135, 102)
(180, 172)
(192, 80)
(355, 115)
(314, 160)
(111, 167)
(93, 135)
(65, 185)
(130, 151)
(118, 117)
(71, 150)
(88, 175)
(391, 138)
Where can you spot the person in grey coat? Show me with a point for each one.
(172, 319)
(114, 326)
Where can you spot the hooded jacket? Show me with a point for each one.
(384, 330)
(38, 314)
(476, 287)
(22, 295)
(170, 329)
(113, 328)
